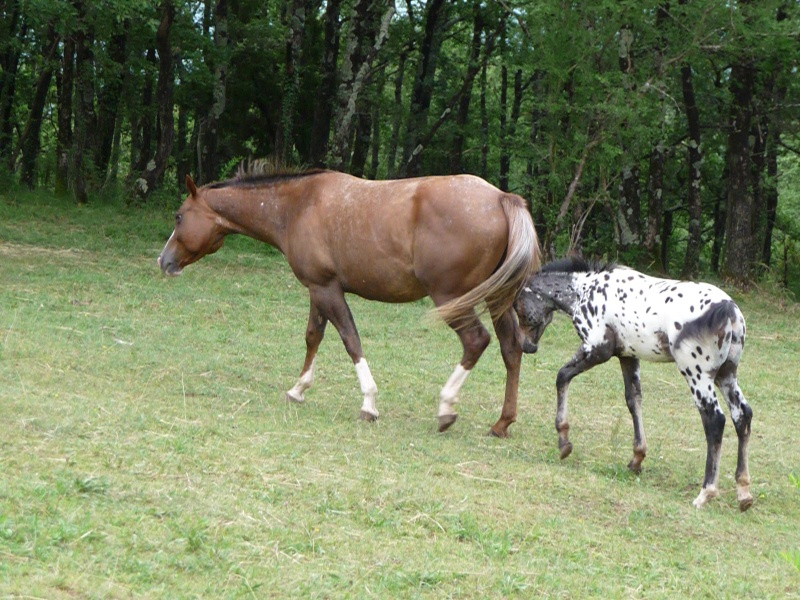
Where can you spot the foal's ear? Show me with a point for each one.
(191, 186)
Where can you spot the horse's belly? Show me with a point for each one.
(383, 289)
(652, 348)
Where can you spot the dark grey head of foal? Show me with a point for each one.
(535, 312)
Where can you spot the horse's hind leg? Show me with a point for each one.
(633, 398)
(474, 339)
(314, 334)
(742, 415)
(505, 326)
(702, 387)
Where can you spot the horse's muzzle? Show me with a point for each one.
(529, 347)
(167, 267)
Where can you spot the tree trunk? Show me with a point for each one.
(655, 180)
(284, 137)
(770, 196)
(12, 32)
(30, 139)
(142, 124)
(422, 92)
(629, 211)
(365, 38)
(394, 141)
(109, 98)
(655, 206)
(208, 150)
(508, 131)
(738, 249)
(81, 171)
(64, 85)
(503, 177)
(323, 110)
(457, 150)
(691, 263)
(484, 164)
(153, 174)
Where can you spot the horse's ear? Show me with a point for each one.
(191, 186)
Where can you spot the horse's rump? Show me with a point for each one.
(711, 322)
(519, 262)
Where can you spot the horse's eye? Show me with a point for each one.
(178, 219)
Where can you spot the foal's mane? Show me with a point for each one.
(576, 264)
(263, 172)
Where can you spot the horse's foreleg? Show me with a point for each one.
(741, 415)
(581, 362)
(505, 326)
(333, 306)
(474, 339)
(315, 331)
(633, 398)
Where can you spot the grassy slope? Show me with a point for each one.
(147, 449)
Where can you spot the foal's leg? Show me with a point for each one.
(474, 339)
(331, 305)
(506, 328)
(701, 385)
(581, 362)
(314, 334)
(741, 414)
(633, 398)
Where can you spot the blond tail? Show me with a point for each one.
(521, 261)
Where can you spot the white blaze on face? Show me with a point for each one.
(449, 394)
(368, 387)
(305, 381)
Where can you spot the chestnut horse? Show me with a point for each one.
(457, 239)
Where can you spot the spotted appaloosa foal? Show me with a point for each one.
(620, 312)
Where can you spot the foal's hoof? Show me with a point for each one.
(296, 399)
(635, 467)
(745, 503)
(367, 416)
(445, 421)
(566, 450)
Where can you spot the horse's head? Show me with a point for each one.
(535, 312)
(198, 231)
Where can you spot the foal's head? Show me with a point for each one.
(198, 231)
(535, 312)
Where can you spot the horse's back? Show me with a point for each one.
(391, 240)
(652, 316)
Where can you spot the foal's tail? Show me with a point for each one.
(522, 259)
(711, 324)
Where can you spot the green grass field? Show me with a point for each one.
(146, 449)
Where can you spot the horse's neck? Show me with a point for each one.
(560, 288)
(258, 212)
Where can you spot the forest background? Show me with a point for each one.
(661, 134)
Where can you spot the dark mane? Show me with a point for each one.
(261, 172)
(576, 264)
(260, 179)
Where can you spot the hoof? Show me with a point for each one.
(445, 421)
(566, 450)
(296, 399)
(745, 503)
(635, 467)
(497, 433)
(367, 416)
